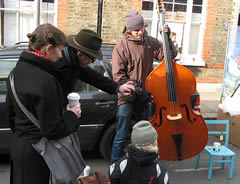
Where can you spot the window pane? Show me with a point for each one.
(180, 8)
(197, 9)
(10, 4)
(44, 1)
(147, 5)
(168, 7)
(47, 17)
(3, 87)
(17, 25)
(48, 1)
(6, 65)
(194, 36)
(198, 2)
(168, 1)
(181, 1)
(84, 87)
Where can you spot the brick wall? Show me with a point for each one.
(114, 18)
(215, 40)
(219, 12)
(74, 15)
(62, 15)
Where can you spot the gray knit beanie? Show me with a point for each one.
(134, 20)
(143, 133)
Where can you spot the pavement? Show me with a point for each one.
(184, 172)
(181, 172)
(210, 95)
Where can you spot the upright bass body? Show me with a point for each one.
(182, 133)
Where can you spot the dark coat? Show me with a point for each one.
(41, 93)
(139, 167)
(69, 72)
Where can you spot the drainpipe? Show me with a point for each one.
(99, 21)
(2, 23)
(38, 12)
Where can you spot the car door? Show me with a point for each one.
(98, 107)
(6, 65)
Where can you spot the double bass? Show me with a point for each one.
(182, 133)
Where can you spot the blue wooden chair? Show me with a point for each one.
(224, 151)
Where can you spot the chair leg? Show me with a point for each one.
(197, 161)
(210, 167)
(223, 164)
(231, 168)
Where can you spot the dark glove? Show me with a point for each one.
(145, 97)
(168, 33)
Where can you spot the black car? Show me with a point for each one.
(97, 120)
(99, 109)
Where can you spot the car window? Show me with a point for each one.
(84, 87)
(6, 65)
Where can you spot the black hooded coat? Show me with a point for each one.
(139, 167)
(41, 93)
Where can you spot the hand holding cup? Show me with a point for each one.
(73, 99)
(74, 104)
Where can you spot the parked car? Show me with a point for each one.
(98, 119)
(98, 108)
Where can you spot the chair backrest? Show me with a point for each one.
(223, 132)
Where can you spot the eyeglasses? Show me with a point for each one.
(90, 57)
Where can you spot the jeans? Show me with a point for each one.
(124, 117)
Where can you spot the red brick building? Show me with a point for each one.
(207, 19)
(206, 29)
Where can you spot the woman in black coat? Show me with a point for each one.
(40, 92)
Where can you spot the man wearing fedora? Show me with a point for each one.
(81, 51)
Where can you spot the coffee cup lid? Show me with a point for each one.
(73, 96)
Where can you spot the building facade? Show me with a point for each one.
(206, 30)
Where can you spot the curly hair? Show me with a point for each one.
(148, 148)
(46, 34)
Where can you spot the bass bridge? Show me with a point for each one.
(179, 116)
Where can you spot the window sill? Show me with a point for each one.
(191, 61)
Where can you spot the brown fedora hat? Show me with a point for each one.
(87, 41)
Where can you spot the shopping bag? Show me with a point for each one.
(63, 157)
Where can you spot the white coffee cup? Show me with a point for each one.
(73, 99)
(86, 170)
(216, 146)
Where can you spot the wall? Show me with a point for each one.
(219, 12)
(114, 18)
(74, 15)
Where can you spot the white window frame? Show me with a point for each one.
(186, 59)
(34, 12)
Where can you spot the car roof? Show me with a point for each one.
(13, 51)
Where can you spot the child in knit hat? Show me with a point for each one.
(141, 164)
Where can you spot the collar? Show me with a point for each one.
(32, 57)
(141, 157)
(38, 53)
